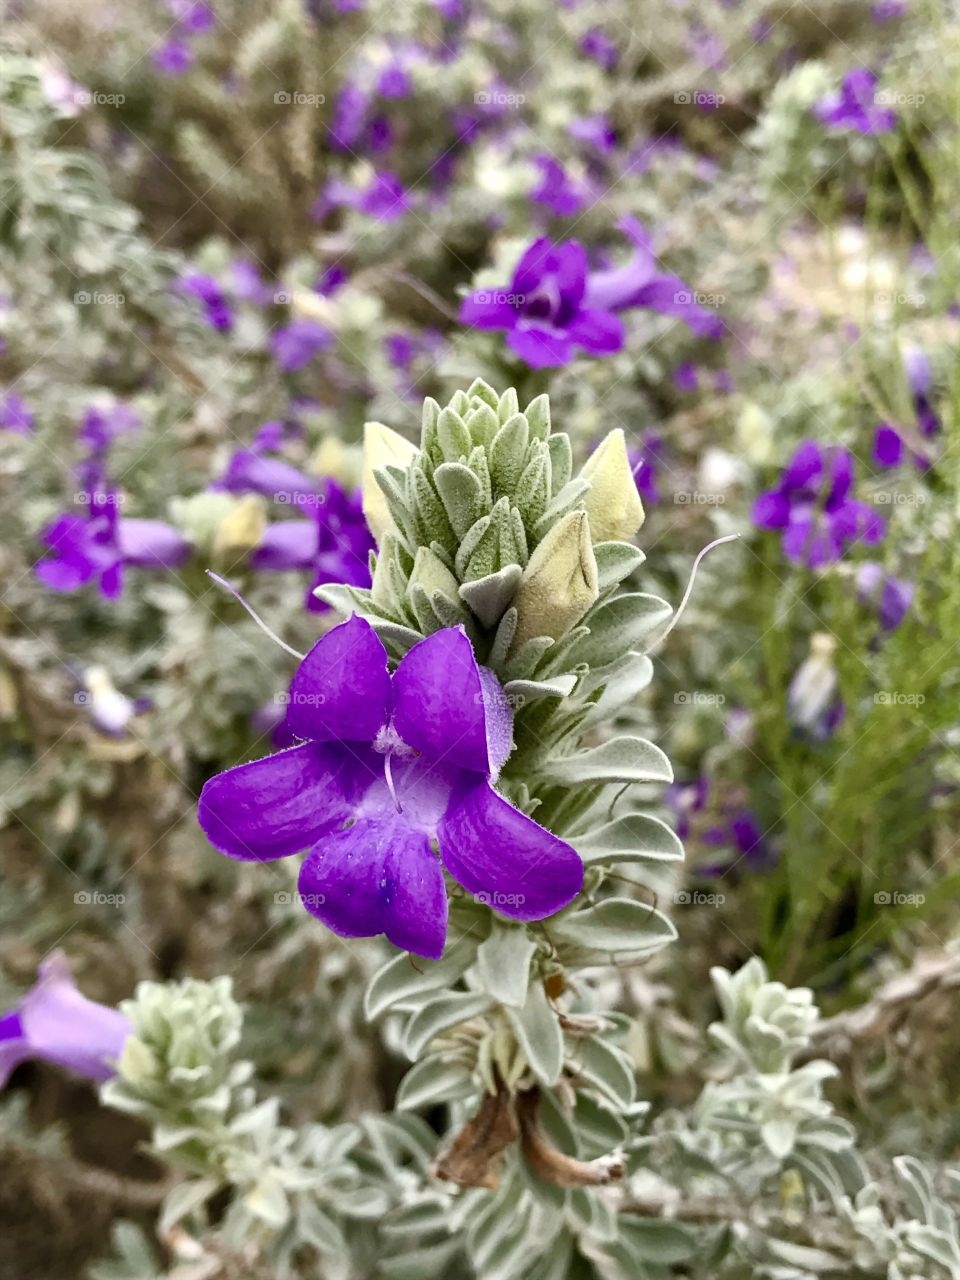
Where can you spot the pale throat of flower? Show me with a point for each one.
(388, 744)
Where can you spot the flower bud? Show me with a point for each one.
(560, 582)
(613, 504)
(381, 447)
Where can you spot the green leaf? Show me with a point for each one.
(615, 931)
(632, 837)
(538, 1033)
(561, 461)
(184, 1199)
(570, 496)
(403, 977)
(461, 494)
(431, 1081)
(507, 453)
(483, 424)
(503, 963)
(520, 692)
(654, 1240)
(618, 625)
(607, 1069)
(453, 436)
(618, 685)
(623, 759)
(615, 560)
(490, 596)
(420, 1264)
(319, 1229)
(438, 1014)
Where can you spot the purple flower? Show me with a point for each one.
(14, 414)
(98, 544)
(173, 58)
(384, 198)
(55, 1023)
(101, 426)
(295, 344)
(216, 308)
(885, 10)
(389, 766)
(250, 471)
(890, 596)
(813, 507)
(644, 462)
(703, 812)
(596, 44)
(554, 307)
(557, 191)
(594, 131)
(334, 543)
(890, 442)
(685, 377)
(856, 106)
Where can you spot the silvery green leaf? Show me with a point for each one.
(486, 555)
(428, 424)
(420, 1264)
(632, 837)
(619, 625)
(503, 639)
(615, 561)
(478, 389)
(461, 494)
(570, 496)
(615, 931)
(507, 453)
(453, 436)
(268, 1201)
(538, 415)
(561, 460)
(431, 1081)
(428, 620)
(429, 515)
(521, 551)
(654, 1240)
(438, 1014)
(804, 1256)
(422, 1219)
(524, 662)
(779, 1136)
(600, 1129)
(619, 760)
(478, 464)
(538, 1033)
(184, 1199)
(618, 685)
(400, 978)
(257, 1122)
(606, 1068)
(559, 657)
(392, 483)
(520, 692)
(533, 488)
(490, 596)
(469, 543)
(483, 424)
(452, 614)
(503, 963)
(508, 405)
(166, 1137)
(319, 1229)
(397, 639)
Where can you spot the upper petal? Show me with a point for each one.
(151, 542)
(540, 348)
(505, 858)
(287, 544)
(440, 704)
(488, 309)
(342, 689)
(281, 804)
(378, 876)
(599, 332)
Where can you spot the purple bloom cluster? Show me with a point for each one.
(176, 55)
(15, 415)
(892, 443)
(890, 596)
(814, 508)
(388, 767)
(55, 1023)
(383, 198)
(217, 311)
(703, 814)
(856, 105)
(555, 306)
(295, 344)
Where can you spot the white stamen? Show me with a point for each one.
(254, 615)
(388, 774)
(730, 537)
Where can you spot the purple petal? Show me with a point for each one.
(540, 348)
(805, 468)
(488, 309)
(287, 544)
(505, 858)
(771, 510)
(378, 876)
(283, 803)
(151, 543)
(249, 471)
(342, 688)
(532, 267)
(887, 446)
(601, 333)
(440, 703)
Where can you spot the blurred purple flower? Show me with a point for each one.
(389, 765)
(685, 377)
(704, 815)
(554, 306)
(855, 106)
(55, 1023)
(173, 58)
(294, 345)
(14, 414)
(813, 507)
(557, 191)
(596, 44)
(101, 426)
(891, 442)
(216, 309)
(890, 596)
(383, 198)
(593, 131)
(886, 10)
(644, 462)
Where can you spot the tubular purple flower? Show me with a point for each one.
(390, 766)
(55, 1023)
(855, 106)
(295, 345)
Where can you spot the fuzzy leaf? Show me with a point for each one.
(615, 931)
(507, 453)
(503, 963)
(632, 837)
(619, 760)
(438, 1014)
(453, 436)
(538, 1033)
(488, 597)
(615, 561)
(399, 979)
(431, 1081)
(461, 494)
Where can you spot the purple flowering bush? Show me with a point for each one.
(419, 857)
